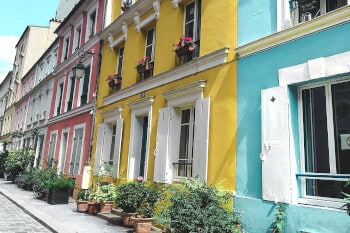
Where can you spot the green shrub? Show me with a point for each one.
(130, 196)
(18, 160)
(26, 179)
(191, 206)
(107, 193)
(61, 183)
(41, 178)
(83, 195)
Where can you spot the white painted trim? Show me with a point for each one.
(114, 43)
(323, 22)
(315, 69)
(72, 113)
(321, 202)
(112, 115)
(141, 103)
(153, 17)
(185, 94)
(197, 65)
(175, 3)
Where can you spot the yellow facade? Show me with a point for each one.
(217, 36)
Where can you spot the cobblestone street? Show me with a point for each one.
(15, 220)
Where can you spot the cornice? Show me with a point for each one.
(332, 19)
(114, 113)
(205, 62)
(195, 87)
(72, 113)
(147, 101)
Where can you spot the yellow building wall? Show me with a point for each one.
(218, 29)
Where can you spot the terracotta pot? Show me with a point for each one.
(127, 219)
(94, 208)
(106, 207)
(82, 206)
(142, 225)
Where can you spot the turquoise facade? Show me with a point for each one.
(259, 71)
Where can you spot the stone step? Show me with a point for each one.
(117, 211)
(111, 218)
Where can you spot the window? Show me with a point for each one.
(149, 50)
(65, 48)
(77, 151)
(77, 37)
(108, 145)
(305, 10)
(59, 98)
(120, 61)
(326, 138)
(184, 165)
(85, 86)
(71, 94)
(52, 148)
(192, 20)
(91, 25)
(182, 134)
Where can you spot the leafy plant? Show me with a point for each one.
(83, 195)
(107, 193)
(18, 160)
(192, 206)
(130, 196)
(41, 177)
(151, 196)
(61, 183)
(25, 180)
(347, 198)
(278, 222)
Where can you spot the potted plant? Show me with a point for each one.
(185, 46)
(107, 195)
(144, 65)
(82, 200)
(114, 80)
(143, 219)
(193, 206)
(129, 198)
(59, 190)
(17, 161)
(93, 204)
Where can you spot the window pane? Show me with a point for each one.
(190, 9)
(185, 116)
(326, 188)
(315, 130)
(150, 37)
(111, 155)
(183, 154)
(341, 117)
(335, 4)
(189, 28)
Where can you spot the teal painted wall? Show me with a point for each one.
(256, 19)
(257, 72)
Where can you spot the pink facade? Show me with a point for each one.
(70, 122)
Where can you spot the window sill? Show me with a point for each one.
(321, 202)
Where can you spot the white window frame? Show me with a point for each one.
(60, 81)
(284, 184)
(63, 151)
(52, 149)
(79, 150)
(139, 108)
(68, 91)
(120, 61)
(195, 20)
(102, 152)
(307, 199)
(65, 47)
(152, 45)
(78, 30)
(168, 132)
(89, 33)
(81, 84)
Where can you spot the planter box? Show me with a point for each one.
(82, 206)
(144, 68)
(58, 197)
(186, 49)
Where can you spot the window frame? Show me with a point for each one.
(77, 150)
(65, 47)
(332, 175)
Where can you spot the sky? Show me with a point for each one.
(15, 17)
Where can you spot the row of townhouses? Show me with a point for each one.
(256, 101)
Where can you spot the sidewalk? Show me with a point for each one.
(57, 218)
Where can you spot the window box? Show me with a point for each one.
(186, 49)
(114, 80)
(144, 65)
(185, 46)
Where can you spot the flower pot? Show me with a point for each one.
(142, 225)
(127, 219)
(106, 207)
(93, 208)
(58, 197)
(142, 68)
(82, 206)
(186, 49)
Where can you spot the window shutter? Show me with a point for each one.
(118, 144)
(99, 148)
(201, 138)
(161, 163)
(276, 170)
(107, 142)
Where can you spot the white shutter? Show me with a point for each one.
(276, 170)
(99, 148)
(201, 138)
(118, 144)
(107, 142)
(161, 163)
